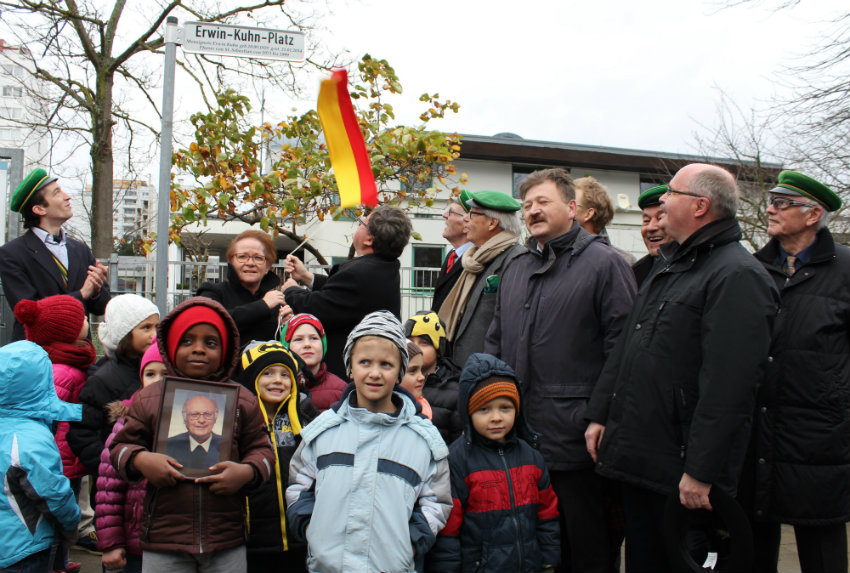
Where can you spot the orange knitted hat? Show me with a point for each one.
(490, 388)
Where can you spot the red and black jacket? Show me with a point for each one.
(505, 513)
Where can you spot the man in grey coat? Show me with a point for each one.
(560, 307)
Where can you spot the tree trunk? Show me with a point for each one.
(102, 168)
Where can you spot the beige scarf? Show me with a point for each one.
(474, 261)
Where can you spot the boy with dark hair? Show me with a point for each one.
(370, 477)
(194, 524)
(505, 513)
(426, 330)
(44, 261)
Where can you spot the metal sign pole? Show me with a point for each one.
(164, 207)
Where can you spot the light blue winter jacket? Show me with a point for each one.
(35, 495)
(371, 487)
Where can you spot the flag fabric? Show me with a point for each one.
(349, 159)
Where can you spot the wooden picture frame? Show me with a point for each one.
(210, 417)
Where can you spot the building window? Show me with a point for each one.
(12, 91)
(520, 172)
(12, 70)
(9, 133)
(427, 260)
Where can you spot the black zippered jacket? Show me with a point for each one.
(678, 391)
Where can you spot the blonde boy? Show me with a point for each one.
(370, 477)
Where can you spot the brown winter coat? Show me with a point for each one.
(187, 517)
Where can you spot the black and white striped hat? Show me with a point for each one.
(379, 323)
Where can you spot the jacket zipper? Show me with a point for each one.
(513, 504)
(200, 518)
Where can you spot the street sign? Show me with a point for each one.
(244, 41)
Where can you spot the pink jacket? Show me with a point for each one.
(119, 505)
(69, 382)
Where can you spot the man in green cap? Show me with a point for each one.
(800, 459)
(45, 261)
(455, 234)
(493, 228)
(651, 230)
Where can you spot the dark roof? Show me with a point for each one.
(534, 153)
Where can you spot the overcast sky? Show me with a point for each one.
(616, 73)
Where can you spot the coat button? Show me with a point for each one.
(764, 409)
(770, 358)
(761, 461)
(526, 306)
(759, 512)
(637, 326)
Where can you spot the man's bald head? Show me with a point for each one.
(199, 415)
(710, 181)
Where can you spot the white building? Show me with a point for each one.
(498, 163)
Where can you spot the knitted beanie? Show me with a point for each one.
(193, 316)
(293, 323)
(426, 323)
(413, 349)
(152, 354)
(491, 388)
(56, 318)
(260, 355)
(123, 313)
(383, 324)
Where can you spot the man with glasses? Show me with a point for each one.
(800, 461)
(493, 229)
(455, 233)
(198, 447)
(671, 412)
(353, 289)
(560, 307)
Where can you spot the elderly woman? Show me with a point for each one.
(251, 293)
(493, 228)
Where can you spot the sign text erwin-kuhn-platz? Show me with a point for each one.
(225, 40)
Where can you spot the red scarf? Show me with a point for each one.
(80, 355)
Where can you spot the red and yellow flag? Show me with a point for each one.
(346, 146)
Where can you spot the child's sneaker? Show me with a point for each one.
(88, 543)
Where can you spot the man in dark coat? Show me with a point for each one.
(493, 228)
(353, 289)
(44, 261)
(560, 306)
(650, 229)
(801, 437)
(672, 410)
(455, 234)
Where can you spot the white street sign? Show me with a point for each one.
(245, 41)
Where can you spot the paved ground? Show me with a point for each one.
(787, 555)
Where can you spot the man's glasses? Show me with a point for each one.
(477, 213)
(455, 213)
(677, 192)
(782, 203)
(206, 416)
(245, 257)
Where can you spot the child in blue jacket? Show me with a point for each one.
(505, 513)
(38, 502)
(370, 477)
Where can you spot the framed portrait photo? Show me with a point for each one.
(196, 423)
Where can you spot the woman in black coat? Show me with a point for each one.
(250, 294)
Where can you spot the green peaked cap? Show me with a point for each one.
(462, 199)
(794, 183)
(652, 196)
(37, 179)
(497, 201)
